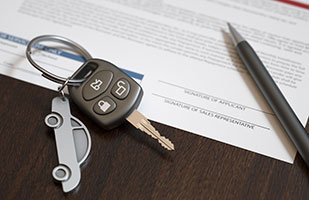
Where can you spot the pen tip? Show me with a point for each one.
(236, 37)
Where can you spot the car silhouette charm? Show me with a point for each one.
(72, 140)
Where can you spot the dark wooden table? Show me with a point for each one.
(126, 164)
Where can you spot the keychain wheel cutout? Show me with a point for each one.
(53, 120)
(61, 173)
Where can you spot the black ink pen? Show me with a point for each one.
(272, 94)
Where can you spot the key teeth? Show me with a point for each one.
(141, 122)
(167, 144)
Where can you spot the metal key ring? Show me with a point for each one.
(54, 38)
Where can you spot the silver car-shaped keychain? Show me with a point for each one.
(72, 140)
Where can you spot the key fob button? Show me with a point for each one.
(121, 89)
(97, 84)
(104, 106)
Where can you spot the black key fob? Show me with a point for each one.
(108, 95)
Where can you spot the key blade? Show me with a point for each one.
(166, 143)
(140, 122)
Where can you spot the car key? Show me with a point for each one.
(109, 96)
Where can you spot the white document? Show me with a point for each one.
(181, 53)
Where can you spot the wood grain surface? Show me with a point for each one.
(127, 164)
